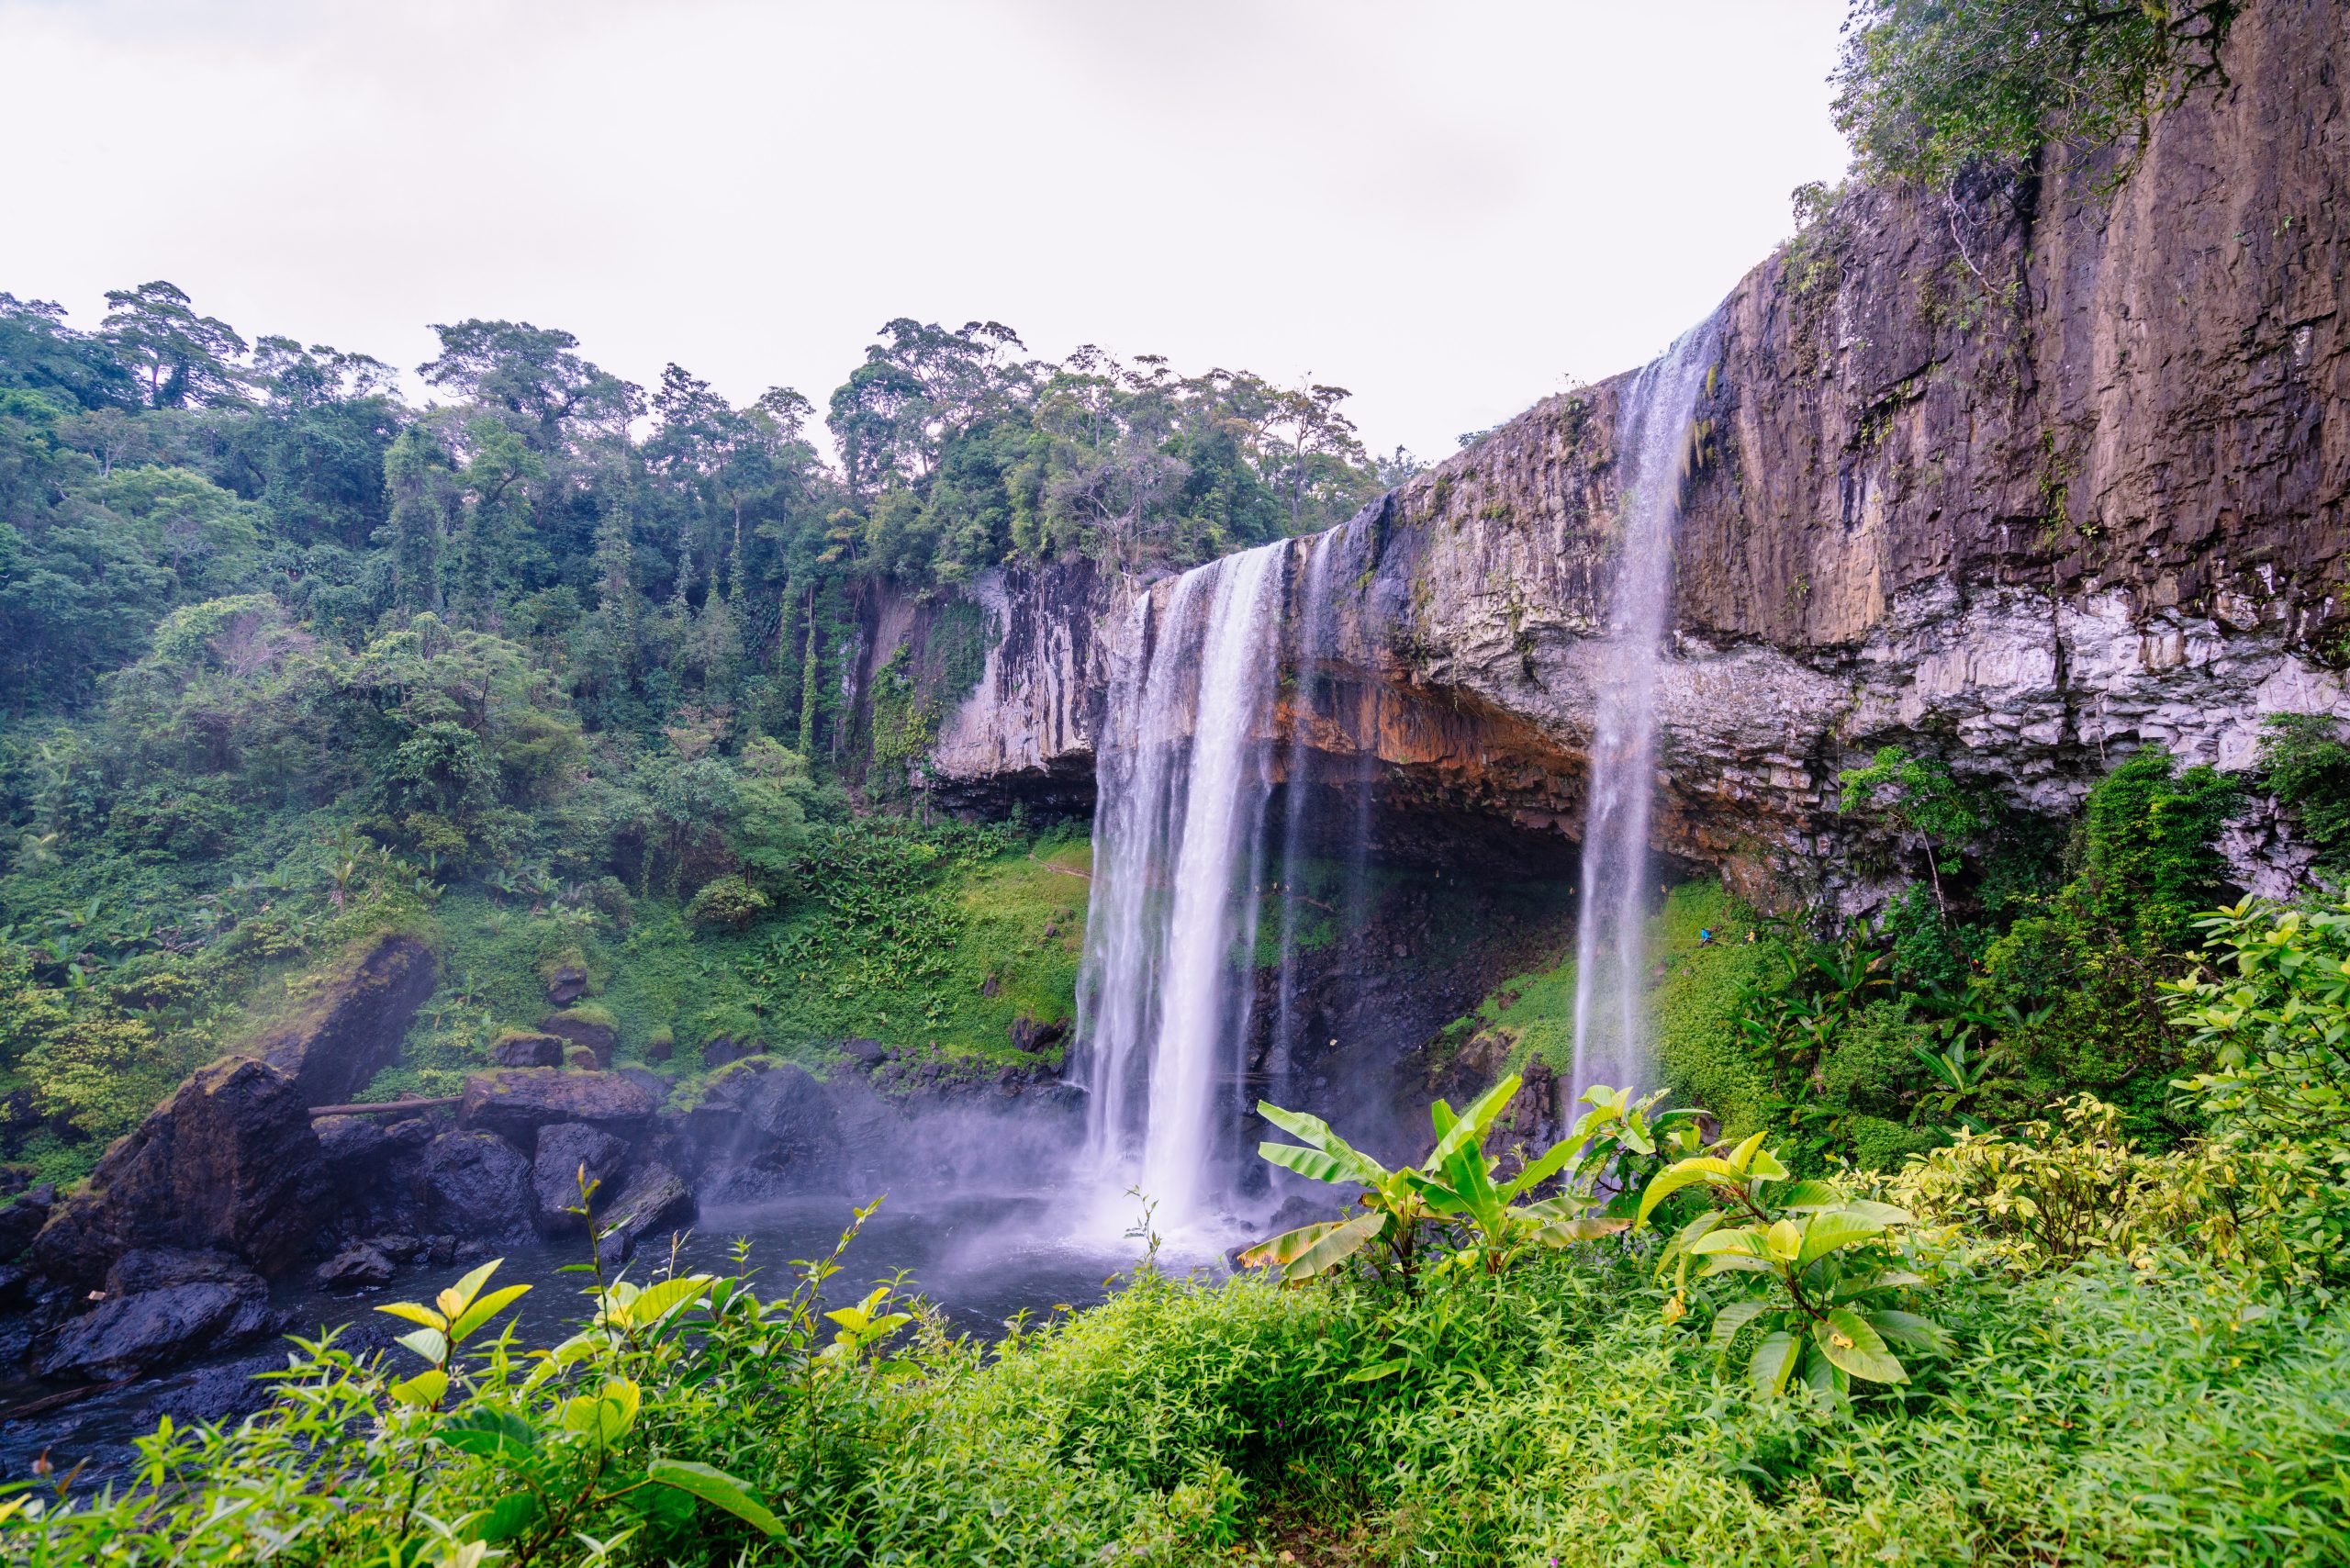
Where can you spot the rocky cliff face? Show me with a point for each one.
(2026, 474)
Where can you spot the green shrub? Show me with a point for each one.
(728, 901)
(1926, 87)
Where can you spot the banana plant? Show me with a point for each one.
(1457, 1183)
(1814, 1271)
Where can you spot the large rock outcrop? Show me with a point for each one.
(230, 1163)
(2028, 473)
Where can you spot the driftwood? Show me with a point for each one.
(381, 1106)
(68, 1396)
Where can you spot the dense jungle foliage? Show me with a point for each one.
(564, 670)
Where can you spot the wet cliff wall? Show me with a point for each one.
(2025, 473)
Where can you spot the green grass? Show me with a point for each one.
(927, 939)
(1692, 987)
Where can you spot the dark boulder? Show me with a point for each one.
(1035, 1035)
(591, 1027)
(477, 1185)
(654, 1202)
(870, 1053)
(351, 1143)
(566, 985)
(566, 1150)
(351, 1026)
(360, 1264)
(516, 1102)
(229, 1163)
(222, 1392)
(519, 1048)
(765, 1130)
(161, 1305)
(725, 1050)
(22, 1220)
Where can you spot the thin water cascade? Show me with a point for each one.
(1319, 708)
(1611, 968)
(1164, 997)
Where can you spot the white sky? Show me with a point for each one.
(1451, 208)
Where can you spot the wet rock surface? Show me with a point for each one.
(568, 1153)
(161, 1305)
(476, 1184)
(515, 1103)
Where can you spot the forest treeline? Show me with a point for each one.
(283, 655)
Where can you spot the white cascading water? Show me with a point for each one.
(1652, 443)
(1163, 1002)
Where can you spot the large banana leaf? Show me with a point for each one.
(1316, 1133)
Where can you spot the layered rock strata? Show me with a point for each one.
(2027, 473)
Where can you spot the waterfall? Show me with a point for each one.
(1652, 445)
(1318, 703)
(1164, 997)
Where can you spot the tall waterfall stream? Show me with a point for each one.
(1223, 673)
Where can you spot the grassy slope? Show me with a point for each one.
(1534, 1013)
(910, 969)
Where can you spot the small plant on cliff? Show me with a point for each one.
(1815, 1271)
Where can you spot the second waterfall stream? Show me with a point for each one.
(1209, 670)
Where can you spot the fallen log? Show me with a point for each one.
(380, 1107)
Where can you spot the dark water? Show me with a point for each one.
(981, 1257)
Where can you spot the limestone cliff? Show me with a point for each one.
(2027, 473)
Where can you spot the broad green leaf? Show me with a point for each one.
(430, 1343)
(1377, 1370)
(1589, 1228)
(1809, 1195)
(1741, 1239)
(1765, 1166)
(1743, 1155)
(484, 1310)
(1471, 1129)
(415, 1313)
(1278, 1251)
(716, 1488)
(1851, 1344)
(1883, 1214)
(1312, 1163)
(657, 1300)
(488, 1431)
(1733, 1317)
(1832, 1231)
(423, 1390)
(1783, 1239)
(504, 1519)
(1774, 1362)
(1336, 1247)
(1687, 1173)
(1315, 1131)
(1736, 1263)
(606, 1415)
(470, 1287)
(1542, 1169)
(1908, 1330)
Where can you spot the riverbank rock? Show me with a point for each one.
(762, 1129)
(476, 1184)
(356, 1266)
(229, 1164)
(655, 1202)
(161, 1305)
(566, 985)
(516, 1102)
(566, 1152)
(1033, 1034)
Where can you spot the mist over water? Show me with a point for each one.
(1611, 960)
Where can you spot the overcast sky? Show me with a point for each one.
(1451, 209)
